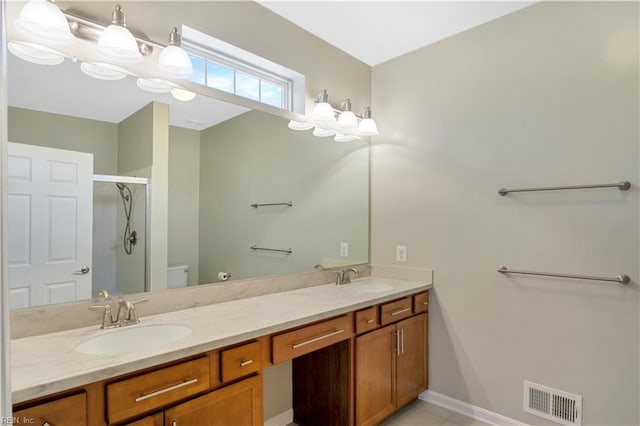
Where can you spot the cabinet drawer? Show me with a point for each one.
(313, 337)
(147, 392)
(367, 319)
(240, 361)
(421, 302)
(69, 411)
(394, 311)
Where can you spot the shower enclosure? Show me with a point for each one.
(120, 229)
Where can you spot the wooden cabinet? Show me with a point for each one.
(310, 338)
(356, 368)
(68, 411)
(237, 404)
(148, 392)
(391, 368)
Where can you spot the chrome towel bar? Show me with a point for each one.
(288, 251)
(622, 186)
(256, 205)
(622, 279)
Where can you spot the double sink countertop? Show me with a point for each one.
(49, 363)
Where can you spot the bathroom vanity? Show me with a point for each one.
(358, 354)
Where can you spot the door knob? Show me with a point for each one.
(82, 271)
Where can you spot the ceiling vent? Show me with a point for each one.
(552, 404)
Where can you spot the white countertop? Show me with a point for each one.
(49, 363)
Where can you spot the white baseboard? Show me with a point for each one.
(281, 419)
(468, 409)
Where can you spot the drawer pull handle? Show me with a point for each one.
(369, 321)
(165, 390)
(400, 311)
(245, 363)
(316, 339)
(425, 303)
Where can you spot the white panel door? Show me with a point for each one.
(50, 225)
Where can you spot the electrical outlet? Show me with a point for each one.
(401, 253)
(344, 249)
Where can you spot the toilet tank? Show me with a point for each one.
(177, 276)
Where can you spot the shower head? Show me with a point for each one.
(121, 186)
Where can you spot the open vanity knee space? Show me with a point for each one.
(356, 359)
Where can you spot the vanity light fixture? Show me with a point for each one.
(182, 94)
(42, 21)
(174, 60)
(346, 128)
(35, 53)
(300, 125)
(323, 111)
(103, 71)
(347, 120)
(323, 133)
(117, 43)
(154, 85)
(367, 126)
(341, 137)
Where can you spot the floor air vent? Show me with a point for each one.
(561, 407)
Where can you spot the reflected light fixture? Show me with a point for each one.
(103, 71)
(341, 137)
(154, 85)
(347, 120)
(323, 133)
(116, 41)
(299, 125)
(174, 60)
(35, 53)
(367, 126)
(323, 111)
(182, 94)
(42, 21)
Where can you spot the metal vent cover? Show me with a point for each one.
(552, 404)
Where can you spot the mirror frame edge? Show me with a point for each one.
(5, 364)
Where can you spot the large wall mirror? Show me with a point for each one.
(114, 188)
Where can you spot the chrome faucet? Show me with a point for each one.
(344, 276)
(126, 314)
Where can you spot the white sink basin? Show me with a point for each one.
(362, 288)
(133, 339)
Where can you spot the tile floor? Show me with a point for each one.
(422, 413)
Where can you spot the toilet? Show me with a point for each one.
(177, 276)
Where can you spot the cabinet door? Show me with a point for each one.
(69, 411)
(411, 373)
(238, 404)
(375, 375)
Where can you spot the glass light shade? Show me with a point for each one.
(43, 21)
(182, 95)
(323, 133)
(341, 137)
(368, 127)
(323, 113)
(347, 121)
(117, 43)
(154, 85)
(299, 125)
(35, 53)
(175, 61)
(103, 71)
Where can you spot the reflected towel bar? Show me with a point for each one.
(622, 279)
(288, 251)
(622, 186)
(256, 205)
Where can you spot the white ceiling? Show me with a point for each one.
(377, 31)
